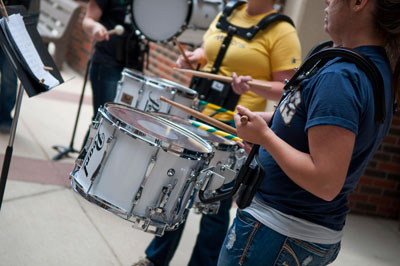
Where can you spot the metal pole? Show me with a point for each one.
(63, 151)
(9, 150)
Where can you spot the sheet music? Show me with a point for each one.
(17, 29)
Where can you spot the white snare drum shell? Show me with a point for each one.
(145, 170)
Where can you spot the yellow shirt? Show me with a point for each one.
(276, 48)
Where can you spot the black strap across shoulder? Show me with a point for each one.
(245, 33)
(319, 58)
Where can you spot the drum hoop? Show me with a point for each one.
(226, 147)
(179, 32)
(134, 75)
(180, 89)
(154, 83)
(115, 210)
(166, 146)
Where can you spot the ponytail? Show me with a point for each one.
(388, 22)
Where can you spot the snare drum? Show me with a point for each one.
(225, 155)
(160, 20)
(140, 168)
(144, 93)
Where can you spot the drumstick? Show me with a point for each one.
(118, 29)
(4, 10)
(182, 51)
(254, 82)
(213, 106)
(244, 119)
(215, 131)
(201, 116)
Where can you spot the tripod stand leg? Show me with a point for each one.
(64, 151)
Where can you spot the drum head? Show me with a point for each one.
(143, 124)
(218, 142)
(160, 20)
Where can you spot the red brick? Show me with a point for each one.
(385, 184)
(389, 167)
(390, 140)
(366, 181)
(358, 197)
(380, 201)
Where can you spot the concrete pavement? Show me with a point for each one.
(43, 222)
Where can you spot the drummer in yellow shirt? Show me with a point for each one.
(272, 56)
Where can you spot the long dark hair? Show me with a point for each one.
(387, 18)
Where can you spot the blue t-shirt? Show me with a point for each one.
(341, 95)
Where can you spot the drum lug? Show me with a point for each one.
(162, 201)
(149, 168)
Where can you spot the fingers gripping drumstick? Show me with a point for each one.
(182, 51)
(201, 116)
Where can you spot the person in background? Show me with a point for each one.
(8, 84)
(271, 56)
(112, 52)
(321, 137)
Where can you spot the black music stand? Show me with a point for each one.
(64, 151)
(28, 82)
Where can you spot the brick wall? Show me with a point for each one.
(80, 44)
(378, 192)
(162, 60)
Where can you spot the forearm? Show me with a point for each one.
(88, 25)
(273, 93)
(301, 168)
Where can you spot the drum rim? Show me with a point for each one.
(121, 213)
(133, 74)
(179, 31)
(185, 90)
(165, 145)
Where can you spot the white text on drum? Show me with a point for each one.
(98, 144)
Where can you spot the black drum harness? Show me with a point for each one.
(221, 93)
(251, 174)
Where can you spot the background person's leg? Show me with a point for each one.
(213, 228)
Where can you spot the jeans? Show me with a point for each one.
(104, 81)
(213, 228)
(8, 90)
(251, 243)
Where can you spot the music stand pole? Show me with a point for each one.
(9, 150)
(63, 151)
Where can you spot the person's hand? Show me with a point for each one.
(195, 57)
(255, 130)
(240, 83)
(245, 145)
(100, 33)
